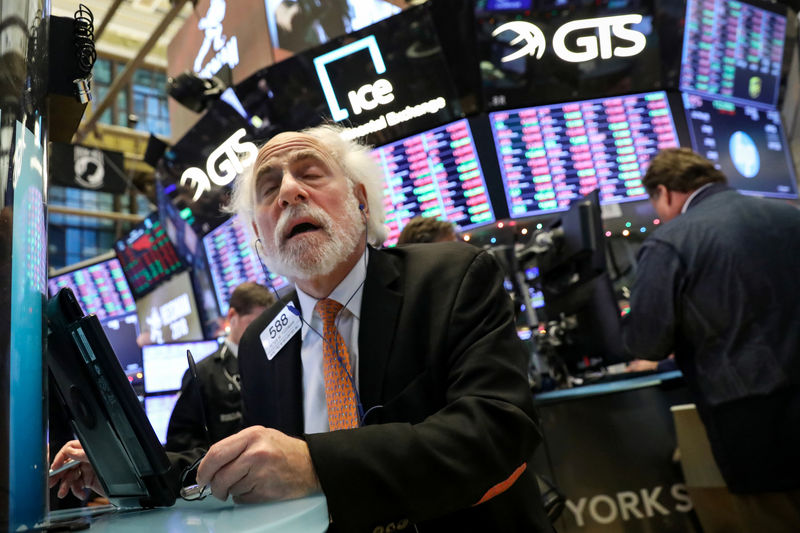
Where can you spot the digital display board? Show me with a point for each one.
(147, 256)
(122, 333)
(733, 50)
(101, 289)
(434, 174)
(533, 53)
(745, 142)
(550, 155)
(165, 364)
(232, 261)
(169, 313)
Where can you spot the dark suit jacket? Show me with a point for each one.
(720, 286)
(444, 373)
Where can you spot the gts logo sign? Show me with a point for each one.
(588, 47)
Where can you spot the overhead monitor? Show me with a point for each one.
(298, 26)
(147, 256)
(436, 173)
(551, 155)
(734, 50)
(123, 332)
(169, 313)
(541, 52)
(746, 142)
(165, 364)
(384, 82)
(100, 287)
(159, 410)
(232, 261)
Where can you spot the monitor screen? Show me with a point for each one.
(232, 261)
(169, 313)
(165, 364)
(385, 81)
(159, 410)
(541, 52)
(101, 288)
(733, 50)
(551, 155)
(147, 256)
(745, 142)
(178, 225)
(436, 173)
(297, 26)
(123, 332)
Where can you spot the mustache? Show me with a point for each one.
(300, 210)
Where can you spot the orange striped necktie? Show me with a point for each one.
(340, 396)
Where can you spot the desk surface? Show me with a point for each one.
(211, 515)
(606, 388)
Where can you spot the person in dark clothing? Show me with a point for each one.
(427, 229)
(218, 382)
(719, 285)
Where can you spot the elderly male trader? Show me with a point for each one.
(392, 380)
(216, 390)
(719, 285)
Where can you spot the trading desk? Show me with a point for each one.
(610, 449)
(304, 515)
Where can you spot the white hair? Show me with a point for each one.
(355, 161)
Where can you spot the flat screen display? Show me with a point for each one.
(733, 50)
(746, 143)
(147, 256)
(436, 173)
(159, 411)
(165, 364)
(101, 289)
(385, 81)
(232, 261)
(123, 332)
(169, 313)
(551, 155)
(544, 51)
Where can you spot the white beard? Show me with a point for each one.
(318, 254)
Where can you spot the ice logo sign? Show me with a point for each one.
(587, 47)
(368, 96)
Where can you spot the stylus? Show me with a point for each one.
(72, 463)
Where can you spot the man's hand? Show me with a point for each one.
(641, 365)
(258, 465)
(76, 479)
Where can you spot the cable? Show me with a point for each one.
(85, 53)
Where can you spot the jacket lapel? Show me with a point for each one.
(380, 308)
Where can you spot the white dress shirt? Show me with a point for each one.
(347, 293)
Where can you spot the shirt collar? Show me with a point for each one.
(349, 290)
(232, 348)
(693, 195)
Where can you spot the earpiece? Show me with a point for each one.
(361, 207)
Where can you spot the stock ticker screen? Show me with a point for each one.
(746, 143)
(232, 261)
(733, 50)
(101, 289)
(147, 256)
(434, 174)
(550, 155)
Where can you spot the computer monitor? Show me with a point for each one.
(159, 410)
(577, 290)
(232, 261)
(734, 50)
(147, 256)
(122, 333)
(552, 155)
(169, 313)
(104, 411)
(436, 173)
(165, 364)
(745, 142)
(99, 285)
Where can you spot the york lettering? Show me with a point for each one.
(629, 505)
(370, 96)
